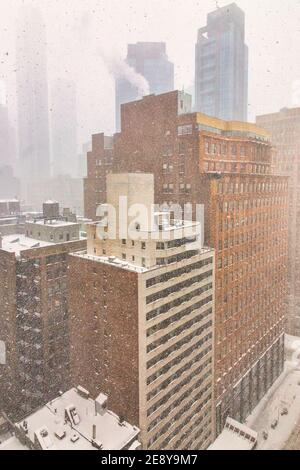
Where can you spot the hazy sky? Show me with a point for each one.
(78, 29)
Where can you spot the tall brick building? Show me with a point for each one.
(34, 314)
(142, 314)
(227, 167)
(284, 128)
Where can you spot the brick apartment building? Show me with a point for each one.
(284, 128)
(227, 167)
(142, 313)
(34, 314)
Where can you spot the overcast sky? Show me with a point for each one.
(78, 29)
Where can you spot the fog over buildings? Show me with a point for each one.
(77, 29)
(32, 96)
(63, 127)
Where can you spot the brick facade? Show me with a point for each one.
(227, 167)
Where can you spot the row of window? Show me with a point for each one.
(178, 242)
(175, 347)
(176, 258)
(178, 402)
(181, 357)
(178, 272)
(252, 187)
(193, 411)
(199, 434)
(176, 332)
(183, 187)
(174, 318)
(258, 151)
(227, 167)
(177, 302)
(177, 374)
(178, 287)
(177, 389)
(245, 204)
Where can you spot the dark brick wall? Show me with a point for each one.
(104, 333)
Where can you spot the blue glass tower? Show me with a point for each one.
(221, 65)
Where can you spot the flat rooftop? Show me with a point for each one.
(67, 423)
(112, 261)
(123, 264)
(235, 436)
(19, 242)
(8, 200)
(53, 223)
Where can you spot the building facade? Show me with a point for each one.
(226, 166)
(34, 314)
(284, 128)
(221, 65)
(145, 306)
(150, 60)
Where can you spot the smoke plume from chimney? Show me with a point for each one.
(118, 68)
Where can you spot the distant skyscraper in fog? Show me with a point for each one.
(150, 60)
(221, 65)
(32, 90)
(63, 127)
(7, 139)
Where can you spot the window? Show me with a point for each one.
(144, 262)
(123, 256)
(160, 246)
(185, 130)
(181, 148)
(123, 242)
(167, 151)
(143, 245)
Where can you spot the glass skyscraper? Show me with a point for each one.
(221, 60)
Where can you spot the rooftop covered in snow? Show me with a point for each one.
(74, 421)
(235, 436)
(19, 242)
